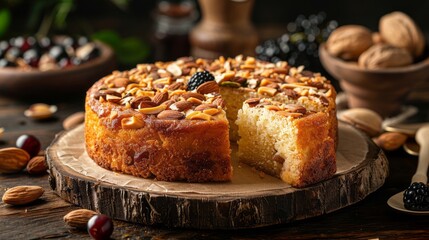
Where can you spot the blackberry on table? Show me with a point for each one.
(199, 78)
(416, 197)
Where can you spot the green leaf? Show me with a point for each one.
(63, 9)
(132, 51)
(109, 37)
(129, 51)
(4, 21)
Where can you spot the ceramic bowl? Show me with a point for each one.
(381, 90)
(64, 83)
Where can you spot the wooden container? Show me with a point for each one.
(381, 90)
(225, 29)
(56, 84)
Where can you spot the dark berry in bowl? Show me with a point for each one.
(6, 63)
(87, 52)
(58, 52)
(32, 57)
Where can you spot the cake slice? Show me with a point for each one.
(286, 140)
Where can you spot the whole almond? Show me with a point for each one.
(78, 218)
(170, 114)
(208, 87)
(181, 106)
(390, 141)
(175, 86)
(13, 160)
(120, 82)
(22, 195)
(365, 119)
(194, 95)
(219, 102)
(37, 165)
(73, 120)
(160, 97)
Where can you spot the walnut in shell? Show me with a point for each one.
(349, 41)
(399, 30)
(384, 56)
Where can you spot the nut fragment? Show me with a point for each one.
(364, 119)
(349, 41)
(194, 95)
(204, 106)
(120, 82)
(37, 165)
(22, 195)
(390, 141)
(211, 111)
(181, 106)
(267, 91)
(13, 159)
(40, 111)
(170, 114)
(175, 86)
(152, 110)
(219, 102)
(253, 101)
(199, 116)
(160, 97)
(208, 87)
(174, 69)
(133, 122)
(78, 218)
(289, 114)
(73, 120)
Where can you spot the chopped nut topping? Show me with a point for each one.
(160, 88)
(132, 123)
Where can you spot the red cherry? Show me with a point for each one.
(100, 227)
(29, 143)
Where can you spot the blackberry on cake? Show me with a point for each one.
(199, 78)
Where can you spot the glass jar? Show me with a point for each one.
(174, 20)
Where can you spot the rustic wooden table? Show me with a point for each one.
(371, 218)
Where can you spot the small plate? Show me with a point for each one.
(397, 203)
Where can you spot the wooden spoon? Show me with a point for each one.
(422, 138)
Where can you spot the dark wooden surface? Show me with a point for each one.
(371, 218)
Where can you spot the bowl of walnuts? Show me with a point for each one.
(50, 68)
(377, 70)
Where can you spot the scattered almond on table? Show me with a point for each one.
(73, 120)
(22, 195)
(40, 111)
(78, 218)
(37, 165)
(13, 160)
(390, 141)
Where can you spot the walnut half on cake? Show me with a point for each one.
(173, 121)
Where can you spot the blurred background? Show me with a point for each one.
(138, 31)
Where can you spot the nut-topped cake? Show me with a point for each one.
(173, 121)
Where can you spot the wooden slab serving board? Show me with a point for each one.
(250, 200)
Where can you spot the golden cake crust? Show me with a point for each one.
(168, 150)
